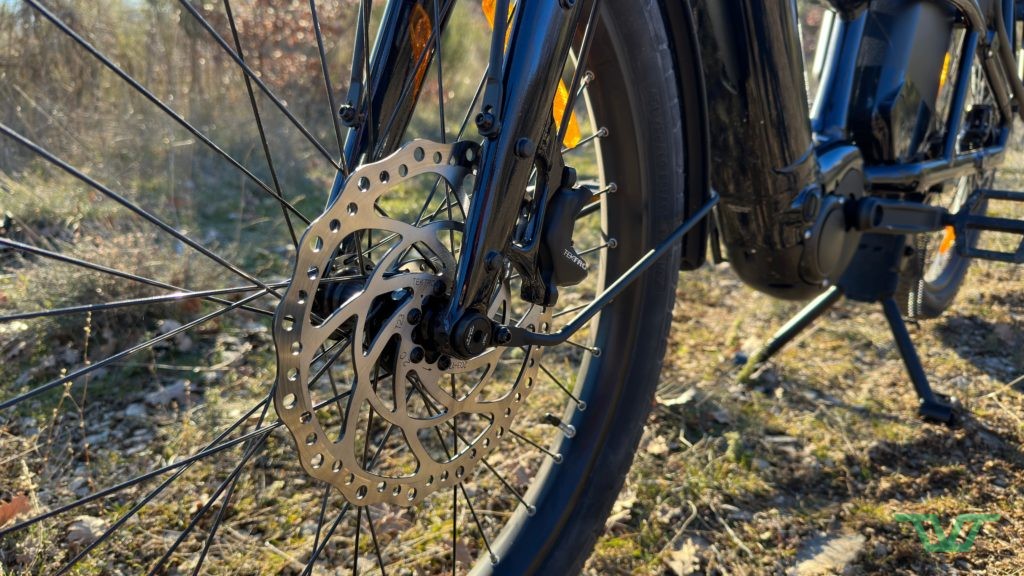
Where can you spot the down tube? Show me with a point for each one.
(764, 165)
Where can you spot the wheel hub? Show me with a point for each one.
(380, 317)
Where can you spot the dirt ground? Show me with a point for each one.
(804, 470)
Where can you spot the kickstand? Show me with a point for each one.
(878, 253)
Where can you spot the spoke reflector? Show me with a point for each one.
(948, 240)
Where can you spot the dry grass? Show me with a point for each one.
(825, 443)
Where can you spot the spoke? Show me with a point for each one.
(327, 537)
(177, 297)
(230, 481)
(610, 244)
(479, 525)
(159, 489)
(131, 206)
(227, 499)
(376, 546)
(328, 85)
(259, 83)
(556, 457)
(156, 101)
(120, 274)
(205, 453)
(259, 124)
(431, 407)
(439, 61)
(359, 530)
(592, 349)
(577, 77)
(579, 404)
(182, 465)
(602, 133)
(570, 311)
(124, 353)
(364, 36)
(408, 85)
(320, 519)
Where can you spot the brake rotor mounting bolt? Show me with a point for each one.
(444, 363)
(503, 335)
(416, 355)
(414, 316)
(525, 148)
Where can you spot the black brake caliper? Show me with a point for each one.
(559, 262)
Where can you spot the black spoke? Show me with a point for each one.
(610, 244)
(556, 457)
(577, 77)
(602, 133)
(176, 297)
(330, 532)
(479, 525)
(227, 498)
(157, 491)
(120, 274)
(71, 377)
(214, 447)
(359, 530)
(328, 85)
(259, 83)
(250, 451)
(376, 546)
(157, 102)
(259, 124)
(131, 206)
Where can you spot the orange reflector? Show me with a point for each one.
(420, 30)
(948, 240)
(573, 134)
(945, 71)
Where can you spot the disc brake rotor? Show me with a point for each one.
(416, 271)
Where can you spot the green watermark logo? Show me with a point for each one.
(947, 542)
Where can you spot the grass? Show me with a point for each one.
(824, 440)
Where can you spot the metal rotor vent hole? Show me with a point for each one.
(364, 184)
(288, 401)
(353, 209)
(317, 460)
(418, 154)
(293, 375)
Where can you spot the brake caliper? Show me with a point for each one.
(559, 262)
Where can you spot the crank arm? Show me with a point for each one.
(515, 336)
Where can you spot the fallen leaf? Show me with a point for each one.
(11, 510)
